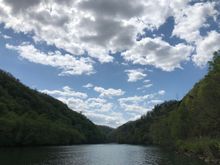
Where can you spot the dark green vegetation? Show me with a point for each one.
(191, 125)
(141, 130)
(28, 117)
(106, 132)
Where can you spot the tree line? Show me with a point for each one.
(191, 125)
(28, 117)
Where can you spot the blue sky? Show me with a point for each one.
(111, 60)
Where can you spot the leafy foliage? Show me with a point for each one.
(196, 118)
(142, 131)
(106, 132)
(28, 117)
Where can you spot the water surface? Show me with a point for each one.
(103, 154)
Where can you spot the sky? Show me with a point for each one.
(112, 61)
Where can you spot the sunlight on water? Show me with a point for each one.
(106, 154)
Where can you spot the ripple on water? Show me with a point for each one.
(107, 154)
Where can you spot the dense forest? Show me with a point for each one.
(28, 117)
(107, 133)
(191, 125)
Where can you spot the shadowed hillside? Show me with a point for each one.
(191, 125)
(107, 132)
(28, 117)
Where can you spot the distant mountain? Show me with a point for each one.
(138, 132)
(191, 125)
(106, 131)
(28, 117)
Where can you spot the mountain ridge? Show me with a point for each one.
(28, 117)
(190, 126)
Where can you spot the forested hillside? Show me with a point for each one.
(28, 117)
(107, 132)
(138, 132)
(191, 125)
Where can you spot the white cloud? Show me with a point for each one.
(146, 81)
(156, 101)
(206, 47)
(113, 119)
(145, 86)
(95, 105)
(68, 64)
(6, 36)
(105, 112)
(92, 30)
(99, 110)
(134, 116)
(75, 28)
(158, 53)
(140, 104)
(74, 103)
(109, 92)
(188, 22)
(96, 28)
(89, 85)
(135, 75)
(190, 19)
(99, 104)
(161, 92)
(65, 92)
(96, 109)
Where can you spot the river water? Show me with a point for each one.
(103, 154)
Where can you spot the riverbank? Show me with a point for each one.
(205, 149)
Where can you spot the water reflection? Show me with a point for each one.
(107, 154)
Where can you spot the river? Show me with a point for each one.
(103, 154)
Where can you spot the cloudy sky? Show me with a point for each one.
(111, 60)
